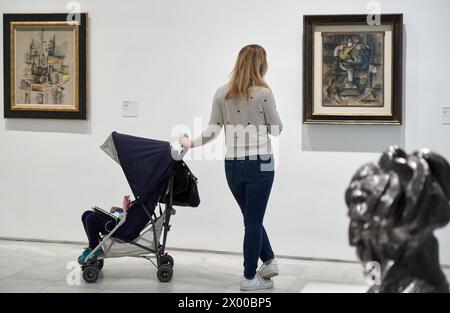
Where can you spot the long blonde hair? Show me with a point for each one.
(249, 70)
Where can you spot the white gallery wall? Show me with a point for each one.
(170, 56)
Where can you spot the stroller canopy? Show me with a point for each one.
(146, 163)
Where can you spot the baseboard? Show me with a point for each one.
(292, 257)
(180, 249)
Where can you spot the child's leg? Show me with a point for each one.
(83, 218)
(94, 225)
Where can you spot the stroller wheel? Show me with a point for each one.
(99, 264)
(90, 274)
(165, 273)
(166, 260)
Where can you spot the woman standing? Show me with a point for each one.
(246, 108)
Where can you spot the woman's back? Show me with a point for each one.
(247, 123)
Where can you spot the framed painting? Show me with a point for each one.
(352, 69)
(44, 63)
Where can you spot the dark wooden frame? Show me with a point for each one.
(309, 22)
(81, 113)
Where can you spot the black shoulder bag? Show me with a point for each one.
(185, 191)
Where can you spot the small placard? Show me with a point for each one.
(129, 108)
(446, 115)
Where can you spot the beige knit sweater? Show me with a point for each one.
(247, 124)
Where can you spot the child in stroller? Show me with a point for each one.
(156, 174)
(96, 223)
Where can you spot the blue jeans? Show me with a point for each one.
(250, 180)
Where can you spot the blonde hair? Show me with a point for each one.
(249, 70)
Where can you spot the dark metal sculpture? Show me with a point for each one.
(394, 207)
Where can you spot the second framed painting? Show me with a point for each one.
(45, 66)
(352, 69)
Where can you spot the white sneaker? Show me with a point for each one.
(256, 283)
(269, 270)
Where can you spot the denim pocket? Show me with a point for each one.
(260, 169)
(267, 163)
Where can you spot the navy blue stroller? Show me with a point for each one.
(156, 174)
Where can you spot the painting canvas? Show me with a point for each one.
(352, 70)
(45, 66)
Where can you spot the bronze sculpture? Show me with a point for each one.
(394, 207)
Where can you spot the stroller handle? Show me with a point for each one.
(178, 155)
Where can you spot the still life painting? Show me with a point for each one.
(352, 70)
(45, 66)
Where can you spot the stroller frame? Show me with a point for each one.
(164, 262)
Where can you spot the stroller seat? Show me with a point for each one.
(115, 247)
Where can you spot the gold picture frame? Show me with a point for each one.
(45, 66)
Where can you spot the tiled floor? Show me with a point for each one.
(47, 267)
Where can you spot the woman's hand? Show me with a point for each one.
(126, 203)
(185, 142)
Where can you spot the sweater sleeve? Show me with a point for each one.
(274, 124)
(214, 126)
